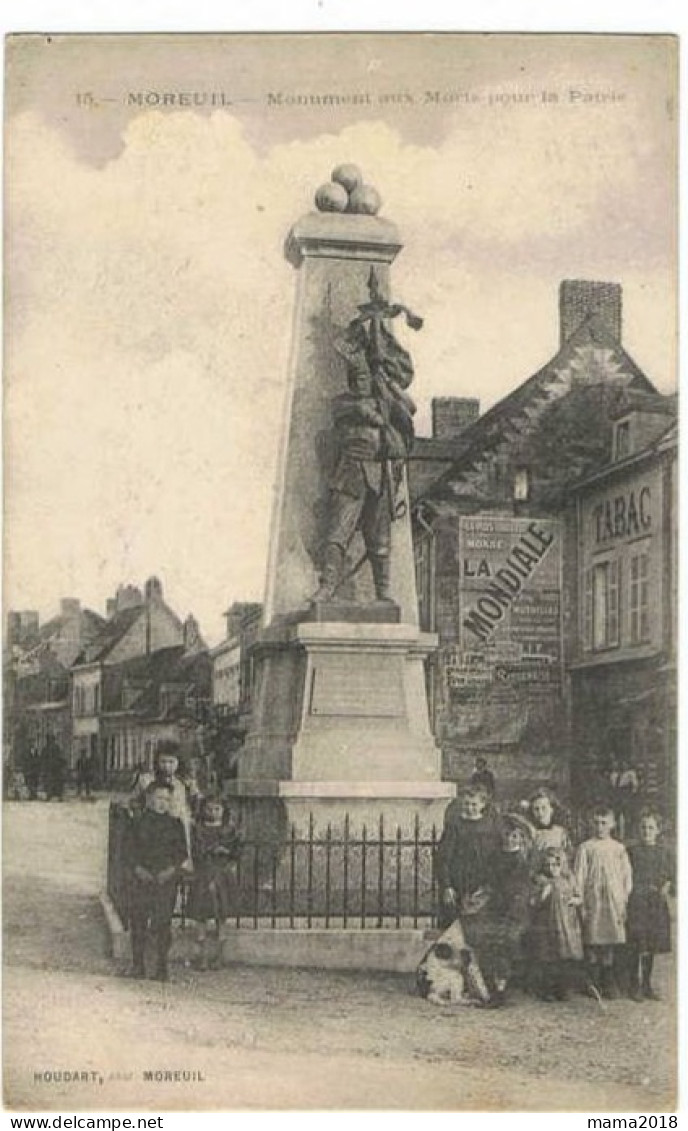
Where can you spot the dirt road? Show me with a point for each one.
(249, 1038)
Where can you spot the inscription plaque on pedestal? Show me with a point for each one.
(343, 688)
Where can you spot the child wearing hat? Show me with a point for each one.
(495, 918)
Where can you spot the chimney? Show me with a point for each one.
(153, 589)
(128, 597)
(579, 298)
(13, 629)
(29, 622)
(451, 416)
(192, 635)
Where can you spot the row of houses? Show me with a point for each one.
(112, 689)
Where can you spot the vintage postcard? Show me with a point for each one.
(340, 573)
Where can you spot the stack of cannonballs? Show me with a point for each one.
(346, 192)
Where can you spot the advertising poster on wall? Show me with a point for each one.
(510, 610)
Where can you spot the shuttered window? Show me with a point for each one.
(602, 605)
(639, 599)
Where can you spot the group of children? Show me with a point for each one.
(526, 902)
(530, 906)
(166, 845)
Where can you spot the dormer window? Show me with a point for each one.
(521, 485)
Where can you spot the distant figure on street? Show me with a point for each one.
(85, 773)
(157, 851)
(483, 778)
(626, 786)
(54, 766)
(32, 771)
(139, 772)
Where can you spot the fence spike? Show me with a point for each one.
(345, 871)
(381, 873)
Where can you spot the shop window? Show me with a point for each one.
(601, 606)
(622, 439)
(639, 599)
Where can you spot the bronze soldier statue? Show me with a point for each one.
(373, 424)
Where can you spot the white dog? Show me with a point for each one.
(449, 972)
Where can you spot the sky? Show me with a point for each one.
(149, 304)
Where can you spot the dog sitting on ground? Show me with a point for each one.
(449, 972)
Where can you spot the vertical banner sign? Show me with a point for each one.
(510, 605)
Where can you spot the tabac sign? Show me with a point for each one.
(510, 602)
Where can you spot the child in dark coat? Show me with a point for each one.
(215, 850)
(466, 852)
(495, 918)
(647, 924)
(554, 938)
(157, 850)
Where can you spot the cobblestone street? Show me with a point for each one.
(251, 1038)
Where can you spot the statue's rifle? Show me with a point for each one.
(371, 317)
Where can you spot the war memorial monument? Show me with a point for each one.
(340, 718)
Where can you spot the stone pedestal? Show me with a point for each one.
(340, 724)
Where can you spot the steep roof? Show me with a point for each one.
(592, 356)
(51, 651)
(146, 675)
(111, 633)
(665, 441)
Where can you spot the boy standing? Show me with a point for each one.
(466, 852)
(157, 851)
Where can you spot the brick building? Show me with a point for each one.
(38, 659)
(232, 684)
(125, 682)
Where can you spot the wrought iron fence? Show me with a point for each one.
(331, 878)
(339, 877)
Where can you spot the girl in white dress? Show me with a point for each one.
(602, 871)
